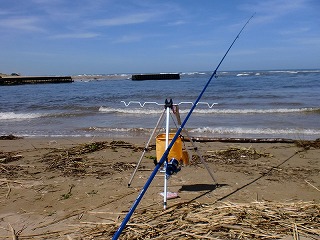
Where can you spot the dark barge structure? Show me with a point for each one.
(158, 76)
(19, 80)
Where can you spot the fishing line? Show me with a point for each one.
(165, 154)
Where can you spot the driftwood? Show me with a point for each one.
(13, 232)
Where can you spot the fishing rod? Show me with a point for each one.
(165, 154)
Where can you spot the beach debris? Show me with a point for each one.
(6, 157)
(67, 162)
(306, 144)
(74, 161)
(170, 195)
(241, 140)
(225, 220)
(68, 194)
(232, 155)
(9, 137)
(312, 185)
(13, 232)
(11, 171)
(87, 148)
(292, 173)
(236, 153)
(123, 166)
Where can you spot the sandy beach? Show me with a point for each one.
(77, 188)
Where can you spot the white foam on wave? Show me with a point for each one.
(130, 111)
(285, 71)
(250, 111)
(18, 116)
(193, 73)
(242, 74)
(256, 131)
(207, 110)
(117, 129)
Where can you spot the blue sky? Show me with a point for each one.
(57, 37)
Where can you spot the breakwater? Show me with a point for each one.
(18, 80)
(160, 76)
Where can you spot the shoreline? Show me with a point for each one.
(193, 138)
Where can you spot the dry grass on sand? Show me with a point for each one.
(77, 189)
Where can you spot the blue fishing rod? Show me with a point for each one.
(165, 154)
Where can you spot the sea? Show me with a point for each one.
(236, 104)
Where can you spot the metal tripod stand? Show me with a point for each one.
(175, 110)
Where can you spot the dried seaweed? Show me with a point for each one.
(292, 173)
(123, 166)
(67, 163)
(71, 161)
(74, 161)
(258, 220)
(87, 148)
(232, 155)
(9, 137)
(6, 157)
(306, 145)
(11, 171)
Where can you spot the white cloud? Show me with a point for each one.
(2, 12)
(124, 20)
(273, 7)
(269, 10)
(303, 41)
(30, 24)
(177, 23)
(75, 35)
(188, 44)
(295, 31)
(128, 39)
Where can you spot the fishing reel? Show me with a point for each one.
(172, 167)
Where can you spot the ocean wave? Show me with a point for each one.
(294, 133)
(249, 74)
(194, 73)
(285, 71)
(70, 114)
(255, 131)
(130, 111)
(242, 74)
(116, 130)
(12, 116)
(19, 116)
(257, 111)
(210, 111)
